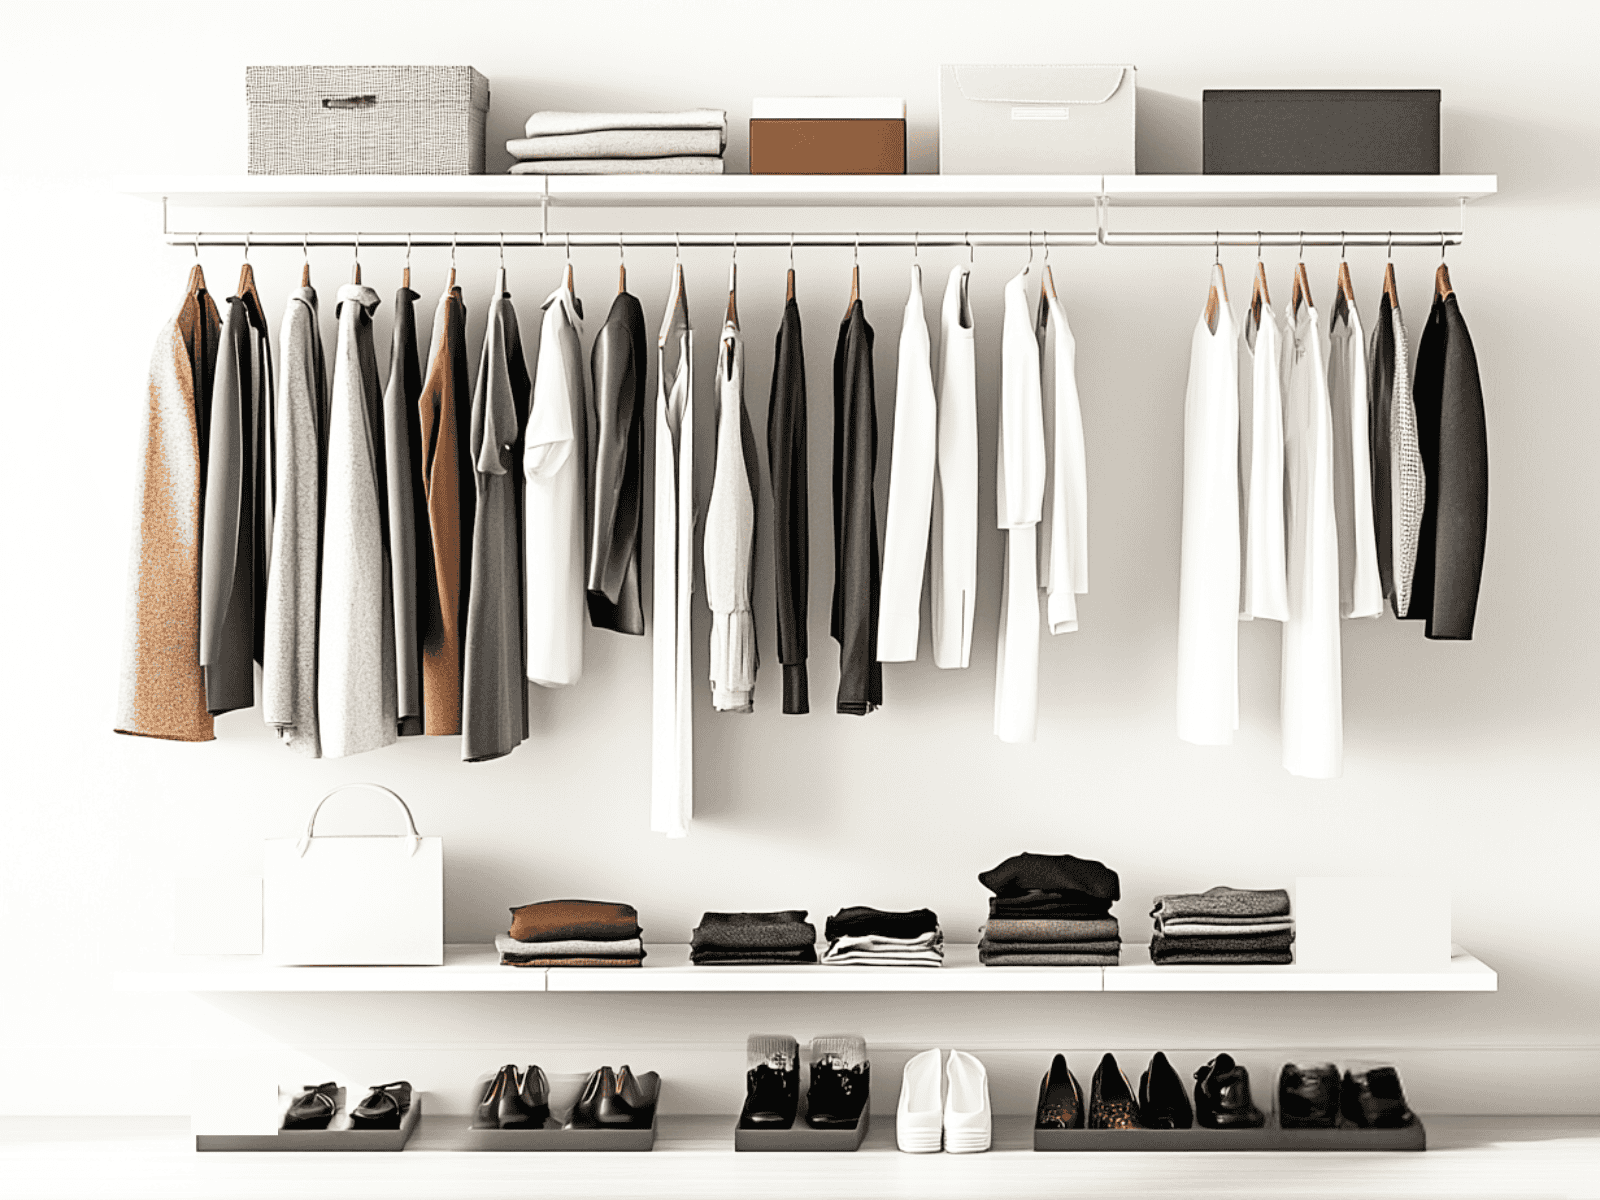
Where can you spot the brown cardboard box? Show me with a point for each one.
(828, 147)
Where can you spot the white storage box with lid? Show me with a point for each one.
(1036, 119)
(366, 120)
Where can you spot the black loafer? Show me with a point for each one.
(313, 1108)
(1308, 1096)
(1111, 1104)
(383, 1107)
(1163, 1104)
(1222, 1096)
(1060, 1098)
(1373, 1099)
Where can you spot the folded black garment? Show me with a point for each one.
(990, 946)
(990, 958)
(1264, 958)
(770, 930)
(539, 960)
(713, 956)
(1222, 945)
(1055, 906)
(864, 922)
(1052, 872)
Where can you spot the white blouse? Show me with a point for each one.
(1019, 503)
(729, 545)
(1064, 525)
(1360, 585)
(954, 558)
(1312, 707)
(916, 437)
(1263, 588)
(555, 451)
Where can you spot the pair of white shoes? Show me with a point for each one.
(956, 1117)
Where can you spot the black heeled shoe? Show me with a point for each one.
(313, 1108)
(383, 1107)
(1111, 1103)
(1222, 1096)
(1374, 1099)
(1060, 1098)
(1308, 1096)
(586, 1112)
(630, 1100)
(534, 1096)
(1163, 1103)
(501, 1106)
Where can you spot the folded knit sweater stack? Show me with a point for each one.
(639, 143)
(1050, 910)
(1225, 925)
(870, 937)
(572, 933)
(768, 939)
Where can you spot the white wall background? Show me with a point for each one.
(1476, 760)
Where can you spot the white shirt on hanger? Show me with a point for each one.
(1263, 587)
(954, 559)
(1019, 501)
(1064, 524)
(671, 689)
(1312, 705)
(729, 543)
(1208, 575)
(916, 444)
(1360, 585)
(555, 452)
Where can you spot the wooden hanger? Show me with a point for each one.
(197, 280)
(405, 278)
(1344, 302)
(567, 279)
(788, 293)
(1259, 295)
(855, 291)
(247, 286)
(622, 278)
(676, 299)
(1302, 290)
(1047, 282)
(305, 274)
(1217, 296)
(1441, 283)
(1390, 289)
(733, 294)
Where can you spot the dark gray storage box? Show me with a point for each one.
(366, 120)
(1296, 132)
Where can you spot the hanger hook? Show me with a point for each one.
(247, 245)
(1389, 253)
(1441, 245)
(677, 249)
(735, 257)
(502, 249)
(1302, 243)
(1046, 236)
(358, 246)
(1258, 245)
(569, 246)
(972, 255)
(916, 245)
(197, 245)
(1216, 247)
(1030, 247)
(622, 253)
(1341, 245)
(856, 254)
(791, 250)
(305, 248)
(452, 251)
(408, 251)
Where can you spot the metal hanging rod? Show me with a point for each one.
(1036, 239)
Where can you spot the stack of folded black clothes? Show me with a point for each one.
(572, 933)
(870, 937)
(1050, 910)
(1223, 926)
(754, 939)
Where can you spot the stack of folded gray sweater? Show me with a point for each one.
(639, 143)
(1231, 926)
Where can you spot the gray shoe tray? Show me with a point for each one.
(338, 1136)
(801, 1137)
(553, 1138)
(1270, 1137)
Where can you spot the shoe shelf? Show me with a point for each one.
(471, 967)
(803, 191)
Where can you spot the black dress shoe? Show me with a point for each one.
(1308, 1096)
(534, 1097)
(313, 1108)
(586, 1112)
(1060, 1098)
(838, 1093)
(771, 1096)
(1163, 1103)
(1111, 1103)
(626, 1100)
(1373, 1099)
(383, 1107)
(1222, 1096)
(501, 1106)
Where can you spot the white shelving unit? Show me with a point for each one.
(805, 191)
(476, 968)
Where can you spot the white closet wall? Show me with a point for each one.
(1476, 760)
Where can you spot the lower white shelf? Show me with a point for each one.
(471, 967)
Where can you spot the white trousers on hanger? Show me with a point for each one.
(916, 443)
(1019, 501)
(671, 690)
(1312, 705)
(1208, 575)
(954, 558)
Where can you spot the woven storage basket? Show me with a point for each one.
(366, 120)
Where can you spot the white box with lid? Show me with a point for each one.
(1036, 119)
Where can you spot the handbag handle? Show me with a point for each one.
(413, 837)
(368, 101)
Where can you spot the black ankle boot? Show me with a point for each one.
(1222, 1096)
(1373, 1099)
(1308, 1096)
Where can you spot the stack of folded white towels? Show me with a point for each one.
(610, 143)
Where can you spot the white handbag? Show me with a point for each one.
(354, 900)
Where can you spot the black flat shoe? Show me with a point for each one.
(1222, 1096)
(534, 1097)
(1060, 1098)
(1308, 1096)
(383, 1107)
(1111, 1103)
(313, 1108)
(586, 1112)
(1163, 1104)
(1373, 1099)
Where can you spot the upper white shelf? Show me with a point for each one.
(476, 968)
(809, 191)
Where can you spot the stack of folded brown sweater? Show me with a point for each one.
(1050, 910)
(754, 939)
(1225, 925)
(637, 143)
(572, 933)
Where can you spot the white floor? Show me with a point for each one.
(51, 1158)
